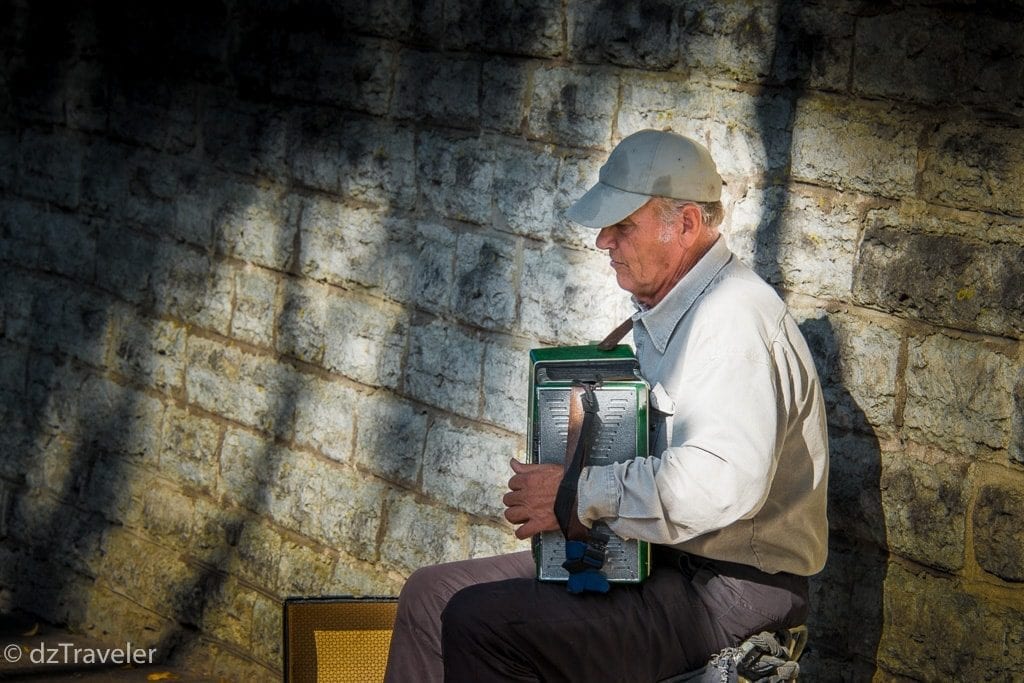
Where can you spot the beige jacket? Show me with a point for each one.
(741, 465)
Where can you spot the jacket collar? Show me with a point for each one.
(661, 320)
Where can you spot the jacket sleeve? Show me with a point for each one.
(720, 460)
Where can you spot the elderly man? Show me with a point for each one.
(733, 493)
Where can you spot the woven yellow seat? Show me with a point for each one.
(337, 640)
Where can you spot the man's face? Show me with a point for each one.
(644, 264)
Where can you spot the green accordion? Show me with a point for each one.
(621, 434)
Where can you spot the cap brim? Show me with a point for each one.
(604, 205)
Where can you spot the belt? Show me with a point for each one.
(689, 565)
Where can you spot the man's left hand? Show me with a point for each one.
(530, 501)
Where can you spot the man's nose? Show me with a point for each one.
(604, 239)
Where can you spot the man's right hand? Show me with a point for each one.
(530, 501)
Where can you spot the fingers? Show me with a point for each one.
(517, 466)
(529, 529)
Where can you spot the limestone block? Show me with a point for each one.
(189, 449)
(946, 279)
(936, 60)
(192, 287)
(486, 283)
(467, 467)
(505, 386)
(67, 244)
(804, 242)
(257, 225)
(924, 48)
(53, 392)
(576, 175)
(8, 157)
(227, 612)
(755, 42)
(109, 616)
(357, 579)
(642, 35)
(253, 318)
(147, 350)
(437, 87)
(155, 114)
(356, 76)
(124, 263)
(505, 26)
(267, 629)
(122, 421)
(48, 315)
(113, 489)
(365, 339)
(444, 367)
(998, 525)
(304, 570)
(239, 665)
(849, 590)
(486, 541)
(667, 102)
(243, 137)
(573, 105)
(409, 262)
(19, 233)
(53, 464)
(1017, 427)
(348, 513)
(253, 390)
(193, 208)
(216, 530)
(258, 554)
(152, 183)
(168, 515)
(982, 639)
(455, 176)
(975, 165)
(364, 160)
(390, 18)
(569, 297)
(948, 377)
(156, 578)
(390, 437)
(751, 134)
(732, 40)
(251, 466)
(523, 179)
(418, 534)
(857, 361)
(924, 497)
(352, 72)
(855, 510)
(503, 90)
(50, 167)
(302, 321)
(871, 149)
(105, 177)
(325, 418)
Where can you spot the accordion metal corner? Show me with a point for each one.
(622, 434)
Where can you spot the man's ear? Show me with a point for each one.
(692, 225)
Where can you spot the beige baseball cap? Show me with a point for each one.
(648, 163)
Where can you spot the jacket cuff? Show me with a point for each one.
(597, 494)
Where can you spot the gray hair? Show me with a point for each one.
(711, 213)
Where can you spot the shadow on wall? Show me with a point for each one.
(113, 257)
(847, 597)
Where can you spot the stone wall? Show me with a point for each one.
(270, 271)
